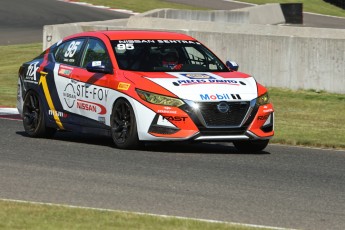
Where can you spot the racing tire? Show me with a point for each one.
(123, 125)
(33, 117)
(251, 146)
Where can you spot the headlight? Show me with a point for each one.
(159, 99)
(263, 100)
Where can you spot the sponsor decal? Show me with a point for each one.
(157, 42)
(91, 106)
(69, 95)
(267, 110)
(96, 63)
(57, 113)
(137, 41)
(205, 81)
(65, 71)
(96, 93)
(123, 86)
(31, 73)
(197, 76)
(73, 93)
(166, 109)
(261, 118)
(175, 118)
(222, 96)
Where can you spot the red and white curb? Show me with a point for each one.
(99, 7)
(9, 113)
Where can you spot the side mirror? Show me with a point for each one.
(232, 65)
(97, 67)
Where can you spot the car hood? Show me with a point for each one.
(203, 86)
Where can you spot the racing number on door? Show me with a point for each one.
(72, 49)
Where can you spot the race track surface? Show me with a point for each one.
(309, 20)
(284, 187)
(22, 21)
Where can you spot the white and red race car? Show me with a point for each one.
(139, 86)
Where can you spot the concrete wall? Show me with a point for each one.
(283, 61)
(278, 56)
(199, 15)
(271, 14)
(54, 33)
(268, 14)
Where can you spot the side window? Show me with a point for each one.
(69, 52)
(95, 50)
(200, 57)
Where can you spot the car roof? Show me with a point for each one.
(136, 34)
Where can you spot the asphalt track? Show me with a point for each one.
(309, 20)
(285, 186)
(22, 21)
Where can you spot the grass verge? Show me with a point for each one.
(314, 6)
(17, 215)
(11, 58)
(309, 118)
(140, 6)
(302, 117)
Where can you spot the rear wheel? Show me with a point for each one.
(251, 146)
(123, 125)
(33, 117)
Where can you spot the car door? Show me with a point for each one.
(91, 87)
(67, 57)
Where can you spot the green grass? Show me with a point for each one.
(314, 6)
(302, 117)
(309, 118)
(139, 5)
(15, 215)
(11, 59)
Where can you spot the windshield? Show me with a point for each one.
(166, 56)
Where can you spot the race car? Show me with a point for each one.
(141, 86)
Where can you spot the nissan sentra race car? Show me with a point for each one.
(139, 86)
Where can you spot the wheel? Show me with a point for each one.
(33, 117)
(123, 125)
(250, 146)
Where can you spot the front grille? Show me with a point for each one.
(214, 118)
(222, 131)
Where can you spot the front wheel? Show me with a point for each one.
(251, 146)
(123, 125)
(33, 117)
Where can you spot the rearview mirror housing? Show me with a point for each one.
(98, 67)
(232, 65)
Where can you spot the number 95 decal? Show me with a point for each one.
(72, 49)
(125, 46)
